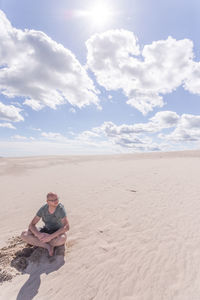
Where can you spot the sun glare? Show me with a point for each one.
(100, 14)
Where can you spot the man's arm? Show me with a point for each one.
(62, 229)
(33, 228)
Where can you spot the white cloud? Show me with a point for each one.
(182, 135)
(45, 73)
(124, 138)
(187, 130)
(165, 119)
(40, 70)
(35, 129)
(108, 53)
(192, 83)
(166, 63)
(16, 103)
(190, 121)
(35, 105)
(10, 113)
(144, 101)
(128, 137)
(87, 135)
(22, 138)
(82, 138)
(161, 120)
(7, 125)
(145, 136)
(144, 76)
(85, 139)
(137, 144)
(53, 136)
(19, 137)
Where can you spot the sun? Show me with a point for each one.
(100, 14)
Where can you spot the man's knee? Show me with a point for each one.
(25, 234)
(61, 239)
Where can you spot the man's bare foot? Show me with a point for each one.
(50, 249)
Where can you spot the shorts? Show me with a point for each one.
(46, 230)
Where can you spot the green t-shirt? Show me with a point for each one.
(52, 221)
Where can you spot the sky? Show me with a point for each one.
(99, 77)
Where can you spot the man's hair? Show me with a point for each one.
(51, 194)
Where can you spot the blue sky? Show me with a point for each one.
(92, 77)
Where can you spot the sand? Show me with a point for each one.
(135, 227)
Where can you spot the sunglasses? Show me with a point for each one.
(54, 200)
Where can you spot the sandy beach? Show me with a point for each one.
(135, 226)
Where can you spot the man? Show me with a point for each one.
(53, 234)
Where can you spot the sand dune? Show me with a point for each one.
(135, 227)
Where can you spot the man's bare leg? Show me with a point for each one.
(58, 241)
(29, 238)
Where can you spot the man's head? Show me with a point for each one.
(52, 199)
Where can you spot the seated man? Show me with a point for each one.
(53, 234)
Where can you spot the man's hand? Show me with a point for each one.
(45, 237)
(40, 235)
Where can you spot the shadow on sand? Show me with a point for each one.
(39, 262)
(19, 258)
